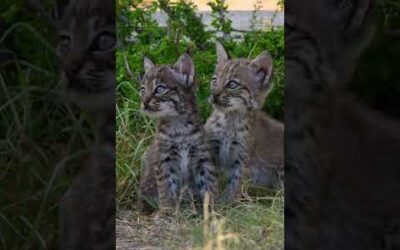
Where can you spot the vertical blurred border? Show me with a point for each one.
(342, 113)
(47, 142)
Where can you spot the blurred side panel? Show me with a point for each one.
(57, 121)
(342, 175)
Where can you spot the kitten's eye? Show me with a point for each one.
(104, 41)
(142, 91)
(213, 80)
(160, 90)
(64, 44)
(232, 85)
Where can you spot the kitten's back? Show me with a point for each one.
(267, 154)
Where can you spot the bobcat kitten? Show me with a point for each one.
(178, 158)
(242, 137)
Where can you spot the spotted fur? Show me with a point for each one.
(178, 159)
(242, 137)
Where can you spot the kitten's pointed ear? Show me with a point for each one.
(263, 66)
(222, 55)
(148, 64)
(185, 66)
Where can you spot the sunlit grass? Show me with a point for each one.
(247, 225)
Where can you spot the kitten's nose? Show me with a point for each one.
(215, 97)
(146, 103)
(73, 72)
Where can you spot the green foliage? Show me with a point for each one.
(137, 22)
(390, 10)
(184, 23)
(281, 5)
(220, 21)
(254, 20)
(376, 76)
(163, 49)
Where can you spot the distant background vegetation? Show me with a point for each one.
(376, 79)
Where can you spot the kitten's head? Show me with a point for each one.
(86, 51)
(168, 91)
(240, 84)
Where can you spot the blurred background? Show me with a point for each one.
(44, 139)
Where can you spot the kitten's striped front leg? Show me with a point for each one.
(235, 170)
(168, 181)
(206, 181)
(214, 145)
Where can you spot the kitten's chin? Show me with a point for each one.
(231, 108)
(90, 96)
(158, 114)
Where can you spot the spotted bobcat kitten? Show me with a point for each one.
(178, 159)
(242, 137)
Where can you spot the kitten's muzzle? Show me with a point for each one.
(147, 106)
(216, 99)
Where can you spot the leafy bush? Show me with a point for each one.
(161, 46)
(220, 21)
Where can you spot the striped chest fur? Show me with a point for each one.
(230, 137)
(179, 141)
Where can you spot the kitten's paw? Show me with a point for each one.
(144, 207)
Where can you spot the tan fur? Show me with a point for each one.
(266, 150)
